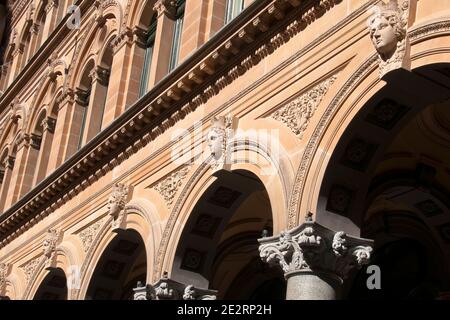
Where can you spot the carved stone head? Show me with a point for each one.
(387, 28)
(217, 138)
(117, 199)
(49, 244)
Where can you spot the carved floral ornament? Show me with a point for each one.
(87, 235)
(4, 271)
(297, 113)
(120, 196)
(311, 247)
(219, 137)
(166, 7)
(168, 187)
(167, 289)
(388, 32)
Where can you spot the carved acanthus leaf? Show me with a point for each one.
(167, 289)
(87, 235)
(297, 113)
(4, 268)
(313, 247)
(30, 267)
(169, 186)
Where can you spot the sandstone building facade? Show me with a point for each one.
(229, 149)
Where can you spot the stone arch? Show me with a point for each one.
(139, 217)
(85, 49)
(55, 73)
(137, 14)
(66, 257)
(15, 284)
(361, 75)
(202, 178)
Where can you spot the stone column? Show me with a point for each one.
(25, 158)
(167, 289)
(8, 165)
(51, 10)
(68, 126)
(36, 38)
(315, 260)
(97, 102)
(193, 35)
(129, 52)
(43, 143)
(163, 40)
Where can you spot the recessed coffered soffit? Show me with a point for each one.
(388, 27)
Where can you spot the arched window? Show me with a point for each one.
(39, 32)
(149, 46)
(83, 94)
(234, 8)
(177, 30)
(24, 47)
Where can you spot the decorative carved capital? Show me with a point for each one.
(9, 162)
(35, 28)
(50, 5)
(99, 14)
(30, 12)
(81, 97)
(388, 31)
(219, 136)
(167, 7)
(35, 141)
(120, 195)
(67, 96)
(142, 292)
(312, 247)
(167, 289)
(23, 141)
(49, 124)
(100, 74)
(4, 69)
(129, 36)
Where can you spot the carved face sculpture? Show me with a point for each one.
(215, 142)
(113, 207)
(383, 35)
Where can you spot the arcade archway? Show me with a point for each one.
(218, 248)
(53, 287)
(388, 180)
(122, 265)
